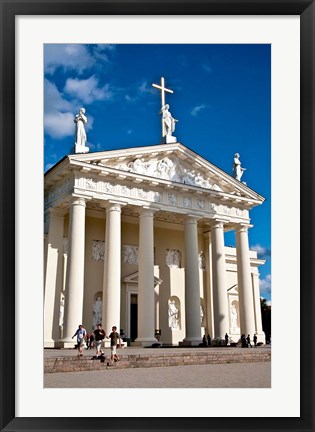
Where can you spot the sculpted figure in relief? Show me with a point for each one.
(97, 312)
(234, 317)
(172, 315)
(168, 120)
(173, 258)
(237, 169)
(130, 254)
(80, 120)
(98, 248)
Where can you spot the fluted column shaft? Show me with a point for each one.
(75, 269)
(258, 319)
(245, 291)
(192, 283)
(209, 284)
(146, 279)
(220, 302)
(112, 269)
(53, 277)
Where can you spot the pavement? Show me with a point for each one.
(231, 375)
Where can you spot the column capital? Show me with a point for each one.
(191, 218)
(218, 223)
(112, 205)
(243, 227)
(77, 200)
(147, 212)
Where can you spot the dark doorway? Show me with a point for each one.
(133, 317)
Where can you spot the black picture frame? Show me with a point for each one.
(8, 11)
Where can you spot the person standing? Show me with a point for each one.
(243, 340)
(226, 337)
(80, 334)
(114, 337)
(99, 335)
(255, 340)
(248, 341)
(209, 341)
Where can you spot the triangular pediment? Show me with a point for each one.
(134, 277)
(173, 163)
(233, 289)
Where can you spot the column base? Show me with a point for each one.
(50, 343)
(190, 342)
(65, 343)
(144, 341)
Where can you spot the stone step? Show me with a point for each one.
(85, 363)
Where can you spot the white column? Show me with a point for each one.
(220, 301)
(258, 319)
(112, 268)
(146, 306)
(53, 278)
(75, 271)
(209, 284)
(245, 290)
(192, 283)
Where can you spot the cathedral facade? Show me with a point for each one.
(135, 238)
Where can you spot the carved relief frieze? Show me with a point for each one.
(168, 168)
(187, 202)
(98, 250)
(142, 193)
(90, 183)
(125, 190)
(157, 196)
(200, 204)
(107, 187)
(173, 258)
(130, 254)
(172, 199)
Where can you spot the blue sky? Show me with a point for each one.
(222, 99)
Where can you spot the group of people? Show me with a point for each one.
(98, 336)
(206, 341)
(246, 341)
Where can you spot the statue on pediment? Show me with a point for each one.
(237, 169)
(80, 120)
(168, 120)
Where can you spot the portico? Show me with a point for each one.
(149, 222)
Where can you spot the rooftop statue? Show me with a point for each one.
(80, 135)
(237, 169)
(168, 120)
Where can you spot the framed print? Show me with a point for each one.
(287, 28)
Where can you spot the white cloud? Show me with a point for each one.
(59, 125)
(265, 285)
(145, 88)
(262, 252)
(68, 56)
(101, 51)
(87, 90)
(196, 110)
(54, 100)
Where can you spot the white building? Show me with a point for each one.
(135, 237)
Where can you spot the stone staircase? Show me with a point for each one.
(160, 358)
